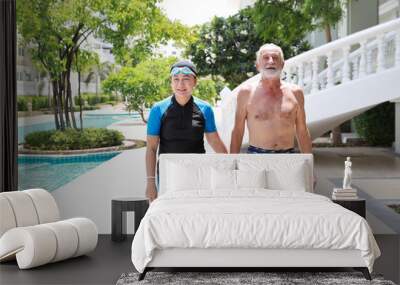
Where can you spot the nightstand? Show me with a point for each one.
(119, 207)
(356, 205)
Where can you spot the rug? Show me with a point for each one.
(244, 278)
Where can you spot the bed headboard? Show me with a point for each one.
(268, 160)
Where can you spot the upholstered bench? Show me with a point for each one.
(32, 233)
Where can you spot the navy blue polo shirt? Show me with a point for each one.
(181, 128)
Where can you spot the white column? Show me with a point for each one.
(363, 60)
(346, 67)
(314, 86)
(381, 54)
(355, 69)
(300, 74)
(329, 72)
(397, 55)
(396, 144)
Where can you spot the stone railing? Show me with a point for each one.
(367, 52)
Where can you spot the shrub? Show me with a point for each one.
(86, 108)
(93, 99)
(72, 139)
(22, 103)
(376, 126)
(39, 102)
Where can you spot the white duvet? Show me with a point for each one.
(250, 219)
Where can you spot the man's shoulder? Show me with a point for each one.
(246, 88)
(244, 92)
(294, 88)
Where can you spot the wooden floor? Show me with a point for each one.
(110, 259)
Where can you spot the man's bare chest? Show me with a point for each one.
(264, 108)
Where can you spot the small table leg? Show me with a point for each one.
(117, 222)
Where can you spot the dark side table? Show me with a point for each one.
(119, 207)
(357, 205)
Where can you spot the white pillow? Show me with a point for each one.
(189, 174)
(285, 174)
(223, 179)
(292, 180)
(251, 178)
(227, 179)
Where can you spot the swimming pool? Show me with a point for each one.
(90, 120)
(52, 172)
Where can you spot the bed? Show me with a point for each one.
(241, 210)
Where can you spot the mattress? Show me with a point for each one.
(250, 219)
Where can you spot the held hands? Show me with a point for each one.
(151, 191)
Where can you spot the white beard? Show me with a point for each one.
(271, 74)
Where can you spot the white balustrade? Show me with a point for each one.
(346, 67)
(329, 76)
(314, 84)
(300, 73)
(381, 54)
(363, 60)
(355, 68)
(369, 61)
(355, 62)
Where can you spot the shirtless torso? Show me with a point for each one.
(274, 117)
(271, 117)
(273, 109)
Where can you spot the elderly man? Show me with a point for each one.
(274, 109)
(178, 123)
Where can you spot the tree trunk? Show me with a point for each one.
(328, 34)
(80, 99)
(55, 105)
(58, 103)
(64, 97)
(141, 113)
(70, 105)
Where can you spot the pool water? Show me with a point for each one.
(92, 120)
(52, 172)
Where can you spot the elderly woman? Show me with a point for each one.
(178, 123)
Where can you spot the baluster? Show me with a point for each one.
(314, 86)
(363, 60)
(355, 68)
(346, 67)
(381, 54)
(300, 79)
(397, 43)
(329, 73)
(369, 61)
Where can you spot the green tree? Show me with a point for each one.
(143, 84)
(283, 23)
(55, 30)
(324, 14)
(206, 89)
(84, 61)
(227, 47)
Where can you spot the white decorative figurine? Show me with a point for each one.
(347, 174)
